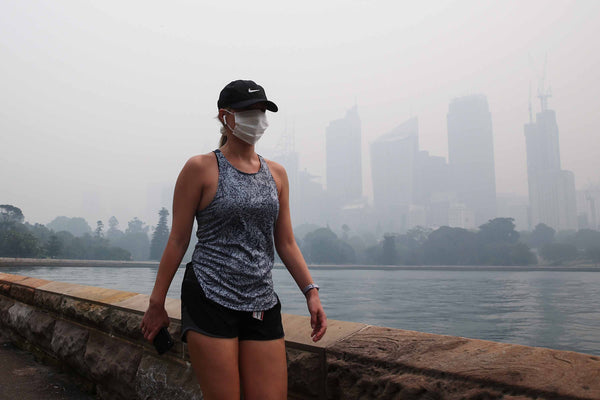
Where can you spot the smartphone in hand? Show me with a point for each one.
(163, 340)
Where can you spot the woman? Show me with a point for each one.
(231, 316)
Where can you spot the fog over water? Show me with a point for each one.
(101, 103)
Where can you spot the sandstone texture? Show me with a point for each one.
(94, 332)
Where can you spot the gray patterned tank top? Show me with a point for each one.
(233, 258)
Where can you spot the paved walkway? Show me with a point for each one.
(22, 378)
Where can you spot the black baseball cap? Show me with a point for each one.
(241, 94)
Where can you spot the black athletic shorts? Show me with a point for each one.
(209, 318)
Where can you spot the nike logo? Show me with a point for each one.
(253, 90)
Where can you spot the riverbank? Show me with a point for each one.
(49, 262)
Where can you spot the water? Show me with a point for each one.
(555, 309)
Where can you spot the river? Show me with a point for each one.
(555, 309)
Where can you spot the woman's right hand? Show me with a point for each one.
(154, 319)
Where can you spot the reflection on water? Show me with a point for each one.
(536, 308)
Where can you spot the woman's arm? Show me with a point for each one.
(188, 191)
(292, 258)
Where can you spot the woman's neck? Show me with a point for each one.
(240, 154)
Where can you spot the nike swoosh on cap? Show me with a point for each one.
(253, 90)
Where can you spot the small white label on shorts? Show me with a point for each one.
(258, 315)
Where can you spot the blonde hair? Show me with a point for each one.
(223, 138)
(223, 131)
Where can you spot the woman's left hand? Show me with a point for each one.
(318, 319)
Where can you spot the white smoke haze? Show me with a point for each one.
(101, 103)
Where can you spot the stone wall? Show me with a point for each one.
(93, 332)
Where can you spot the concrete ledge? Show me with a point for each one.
(95, 333)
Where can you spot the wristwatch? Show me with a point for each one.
(308, 287)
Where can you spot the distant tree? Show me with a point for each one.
(373, 255)
(345, 231)
(76, 225)
(136, 226)
(39, 231)
(357, 243)
(389, 253)
(520, 254)
(565, 236)
(135, 240)
(113, 223)
(498, 244)
(303, 229)
(541, 235)
(585, 238)
(18, 243)
(98, 233)
(410, 245)
(113, 233)
(54, 246)
(160, 236)
(451, 246)
(11, 214)
(322, 246)
(498, 230)
(593, 253)
(559, 253)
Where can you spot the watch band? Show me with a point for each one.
(308, 287)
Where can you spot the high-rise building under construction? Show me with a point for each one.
(552, 198)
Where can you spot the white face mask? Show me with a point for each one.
(249, 125)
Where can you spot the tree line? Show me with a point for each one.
(73, 238)
(494, 243)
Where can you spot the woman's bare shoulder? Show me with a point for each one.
(200, 162)
(276, 168)
(199, 168)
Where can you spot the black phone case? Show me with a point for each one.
(163, 341)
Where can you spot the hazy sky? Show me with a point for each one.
(101, 103)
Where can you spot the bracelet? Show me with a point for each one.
(308, 287)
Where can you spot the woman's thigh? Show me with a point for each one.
(263, 369)
(215, 363)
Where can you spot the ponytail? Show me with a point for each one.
(223, 130)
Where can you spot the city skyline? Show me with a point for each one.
(102, 104)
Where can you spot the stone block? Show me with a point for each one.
(160, 378)
(306, 373)
(5, 288)
(18, 316)
(48, 301)
(125, 323)
(69, 343)
(85, 311)
(23, 294)
(5, 304)
(112, 363)
(40, 328)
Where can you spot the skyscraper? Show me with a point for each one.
(471, 155)
(551, 190)
(393, 163)
(343, 152)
